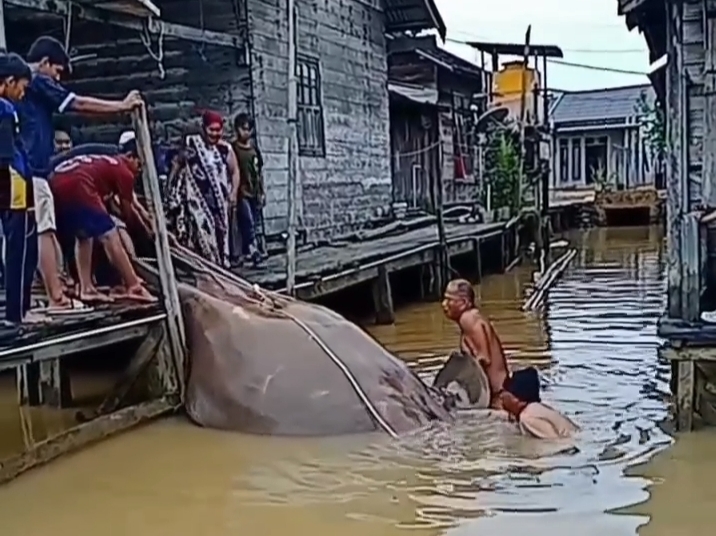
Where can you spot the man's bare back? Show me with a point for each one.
(480, 340)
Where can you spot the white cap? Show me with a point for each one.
(126, 136)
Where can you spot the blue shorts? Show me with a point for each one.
(83, 222)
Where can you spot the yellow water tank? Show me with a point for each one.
(507, 88)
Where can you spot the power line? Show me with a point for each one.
(577, 65)
(597, 67)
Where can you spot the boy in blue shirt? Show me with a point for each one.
(46, 96)
(16, 192)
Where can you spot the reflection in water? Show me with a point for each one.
(596, 346)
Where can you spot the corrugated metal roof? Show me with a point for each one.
(414, 15)
(428, 49)
(601, 104)
(421, 95)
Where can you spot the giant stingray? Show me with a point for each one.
(263, 363)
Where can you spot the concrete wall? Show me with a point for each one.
(351, 185)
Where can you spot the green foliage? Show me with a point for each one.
(502, 167)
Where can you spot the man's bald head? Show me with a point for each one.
(463, 289)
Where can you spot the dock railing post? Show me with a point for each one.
(167, 277)
(292, 150)
(443, 259)
(3, 37)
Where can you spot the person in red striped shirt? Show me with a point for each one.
(80, 187)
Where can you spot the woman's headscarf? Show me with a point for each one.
(210, 117)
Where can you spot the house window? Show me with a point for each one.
(311, 141)
(564, 160)
(464, 143)
(595, 156)
(577, 159)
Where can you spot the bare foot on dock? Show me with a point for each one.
(94, 296)
(138, 293)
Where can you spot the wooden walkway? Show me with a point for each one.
(327, 269)
(68, 334)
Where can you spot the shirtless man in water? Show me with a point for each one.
(518, 394)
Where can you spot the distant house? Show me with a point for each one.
(232, 56)
(435, 97)
(599, 138)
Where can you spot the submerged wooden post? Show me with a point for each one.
(167, 277)
(383, 298)
(55, 389)
(478, 258)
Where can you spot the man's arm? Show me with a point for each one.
(233, 164)
(124, 184)
(62, 99)
(475, 333)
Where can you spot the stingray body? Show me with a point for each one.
(265, 364)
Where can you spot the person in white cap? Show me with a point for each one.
(81, 187)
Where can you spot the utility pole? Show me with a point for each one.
(292, 150)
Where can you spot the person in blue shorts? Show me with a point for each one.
(16, 193)
(46, 96)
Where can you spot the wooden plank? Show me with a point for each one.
(675, 165)
(691, 267)
(688, 353)
(85, 434)
(167, 277)
(73, 343)
(708, 170)
(383, 298)
(685, 396)
(165, 29)
(349, 278)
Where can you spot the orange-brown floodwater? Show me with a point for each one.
(595, 343)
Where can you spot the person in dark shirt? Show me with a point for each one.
(81, 187)
(46, 96)
(62, 141)
(16, 196)
(252, 196)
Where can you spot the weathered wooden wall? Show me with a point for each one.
(456, 132)
(197, 76)
(415, 152)
(351, 185)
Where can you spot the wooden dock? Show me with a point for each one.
(330, 269)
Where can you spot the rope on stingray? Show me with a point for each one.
(268, 295)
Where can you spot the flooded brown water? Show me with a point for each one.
(596, 346)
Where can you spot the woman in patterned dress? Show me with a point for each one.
(202, 191)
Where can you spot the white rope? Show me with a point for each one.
(312, 334)
(344, 369)
(146, 37)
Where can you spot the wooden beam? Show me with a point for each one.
(76, 342)
(3, 37)
(688, 353)
(708, 170)
(685, 396)
(675, 165)
(167, 277)
(627, 6)
(158, 27)
(84, 435)
(691, 267)
(383, 298)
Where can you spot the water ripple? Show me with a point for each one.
(595, 343)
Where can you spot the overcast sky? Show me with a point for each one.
(593, 34)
